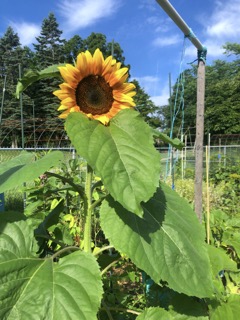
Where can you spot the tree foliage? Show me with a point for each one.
(222, 86)
(51, 49)
(222, 105)
(13, 61)
(146, 107)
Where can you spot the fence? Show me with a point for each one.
(182, 162)
(9, 153)
(176, 163)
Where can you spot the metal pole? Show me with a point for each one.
(34, 126)
(21, 109)
(3, 94)
(172, 13)
(112, 48)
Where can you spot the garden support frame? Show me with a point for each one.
(202, 51)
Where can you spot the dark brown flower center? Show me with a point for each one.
(94, 95)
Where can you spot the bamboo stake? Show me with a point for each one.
(208, 201)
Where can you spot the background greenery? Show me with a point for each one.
(40, 106)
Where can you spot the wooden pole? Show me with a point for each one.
(202, 51)
(199, 139)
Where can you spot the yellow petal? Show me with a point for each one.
(107, 65)
(102, 118)
(69, 101)
(73, 71)
(118, 76)
(62, 107)
(89, 62)
(82, 64)
(64, 115)
(75, 109)
(97, 62)
(68, 76)
(61, 94)
(121, 97)
(126, 87)
(65, 86)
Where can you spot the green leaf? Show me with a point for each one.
(23, 168)
(176, 143)
(122, 154)
(162, 314)
(188, 308)
(229, 310)
(167, 242)
(32, 76)
(231, 238)
(33, 288)
(220, 260)
(155, 314)
(20, 160)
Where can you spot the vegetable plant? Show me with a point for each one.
(120, 214)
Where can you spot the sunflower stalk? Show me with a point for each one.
(88, 211)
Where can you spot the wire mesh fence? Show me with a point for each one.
(182, 162)
(175, 164)
(7, 154)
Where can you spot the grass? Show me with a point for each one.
(13, 201)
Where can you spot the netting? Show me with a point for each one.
(37, 133)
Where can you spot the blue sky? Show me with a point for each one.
(152, 43)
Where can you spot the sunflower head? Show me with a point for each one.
(95, 86)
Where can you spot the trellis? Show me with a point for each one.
(202, 51)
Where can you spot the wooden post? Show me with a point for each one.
(199, 138)
(202, 52)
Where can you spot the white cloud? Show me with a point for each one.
(214, 49)
(79, 14)
(161, 95)
(148, 83)
(27, 32)
(153, 86)
(224, 19)
(161, 100)
(167, 40)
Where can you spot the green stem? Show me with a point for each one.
(76, 187)
(66, 249)
(110, 266)
(103, 249)
(88, 211)
(121, 309)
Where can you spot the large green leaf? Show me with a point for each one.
(155, 314)
(167, 242)
(162, 314)
(23, 168)
(220, 260)
(32, 288)
(22, 159)
(229, 310)
(32, 76)
(122, 154)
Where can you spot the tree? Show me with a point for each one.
(13, 60)
(49, 51)
(221, 100)
(72, 47)
(99, 40)
(232, 48)
(146, 107)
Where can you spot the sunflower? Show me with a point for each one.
(95, 86)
